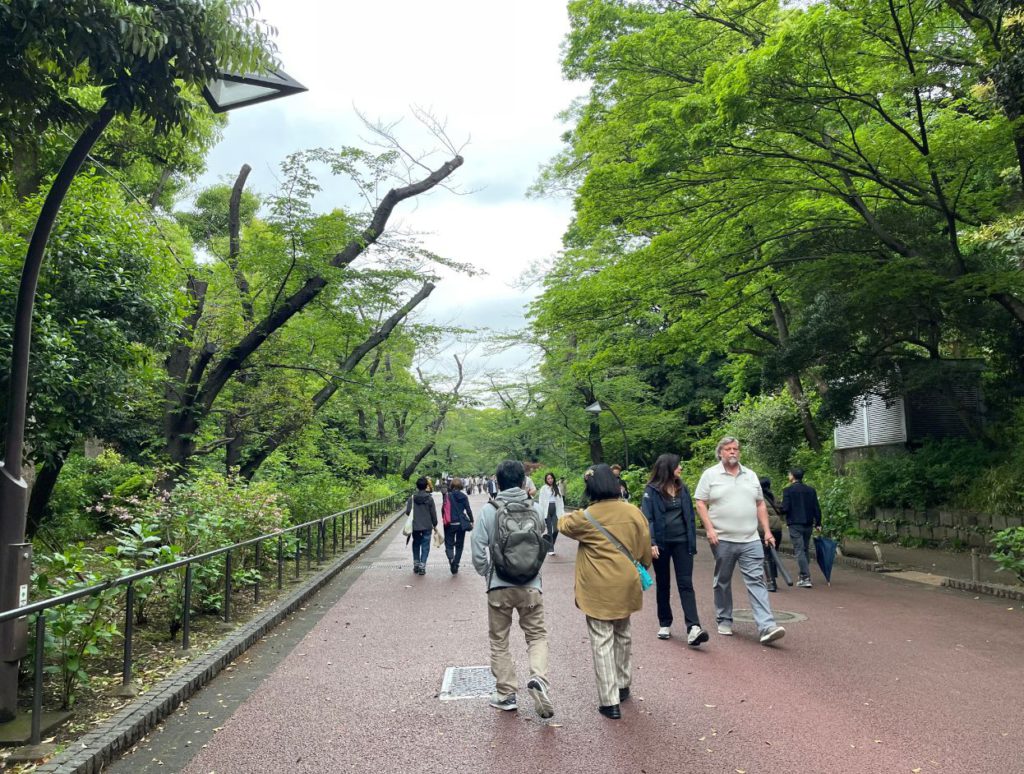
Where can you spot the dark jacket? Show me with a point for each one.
(653, 506)
(424, 512)
(800, 504)
(461, 512)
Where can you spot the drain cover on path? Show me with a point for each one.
(781, 616)
(473, 682)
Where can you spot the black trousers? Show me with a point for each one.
(772, 572)
(551, 521)
(454, 540)
(677, 555)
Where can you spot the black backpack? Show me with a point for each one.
(518, 547)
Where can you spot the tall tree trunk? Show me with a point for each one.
(435, 427)
(796, 389)
(42, 490)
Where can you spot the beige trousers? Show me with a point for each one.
(612, 646)
(529, 603)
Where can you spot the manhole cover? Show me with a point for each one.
(781, 616)
(473, 682)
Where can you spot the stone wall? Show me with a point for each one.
(968, 528)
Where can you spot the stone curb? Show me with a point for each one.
(90, 753)
(979, 587)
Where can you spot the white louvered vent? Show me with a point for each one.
(874, 424)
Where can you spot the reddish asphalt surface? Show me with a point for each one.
(883, 676)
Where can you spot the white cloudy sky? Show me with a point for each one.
(491, 71)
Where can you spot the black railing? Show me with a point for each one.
(356, 523)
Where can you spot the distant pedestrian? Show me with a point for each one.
(552, 506)
(623, 488)
(666, 504)
(775, 525)
(492, 486)
(608, 587)
(505, 597)
(424, 521)
(731, 508)
(803, 514)
(529, 487)
(459, 520)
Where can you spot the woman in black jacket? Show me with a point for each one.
(424, 521)
(459, 521)
(669, 511)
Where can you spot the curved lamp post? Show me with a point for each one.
(596, 408)
(229, 91)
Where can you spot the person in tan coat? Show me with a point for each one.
(607, 583)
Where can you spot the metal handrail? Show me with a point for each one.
(376, 509)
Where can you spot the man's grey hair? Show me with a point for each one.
(723, 443)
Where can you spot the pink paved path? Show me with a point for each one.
(883, 676)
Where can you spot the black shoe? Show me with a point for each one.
(772, 585)
(623, 694)
(611, 712)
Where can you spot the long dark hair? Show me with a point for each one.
(766, 490)
(554, 483)
(663, 474)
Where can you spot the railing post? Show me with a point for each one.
(334, 530)
(256, 586)
(280, 562)
(129, 614)
(186, 613)
(227, 587)
(309, 546)
(298, 555)
(37, 692)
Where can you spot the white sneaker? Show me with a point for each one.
(664, 633)
(696, 636)
(541, 698)
(805, 583)
(773, 634)
(725, 628)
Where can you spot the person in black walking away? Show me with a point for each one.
(775, 527)
(424, 521)
(666, 504)
(803, 514)
(460, 520)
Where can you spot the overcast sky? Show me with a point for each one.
(490, 71)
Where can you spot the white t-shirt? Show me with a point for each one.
(732, 502)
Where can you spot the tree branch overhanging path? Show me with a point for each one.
(197, 378)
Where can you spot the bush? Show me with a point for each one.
(1009, 553)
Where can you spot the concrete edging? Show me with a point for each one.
(90, 753)
(980, 587)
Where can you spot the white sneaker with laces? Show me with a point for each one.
(725, 629)
(664, 633)
(773, 634)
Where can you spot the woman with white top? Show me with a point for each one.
(552, 506)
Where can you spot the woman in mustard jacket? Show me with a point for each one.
(607, 583)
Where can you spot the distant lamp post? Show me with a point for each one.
(227, 92)
(232, 90)
(596, 408)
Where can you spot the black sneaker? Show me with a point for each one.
(507, 703)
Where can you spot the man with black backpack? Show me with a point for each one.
(508, 550)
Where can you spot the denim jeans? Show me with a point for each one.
(750, 557)
(800, 534)
(677, 554)
(420, 545)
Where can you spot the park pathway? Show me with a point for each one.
(883, 675)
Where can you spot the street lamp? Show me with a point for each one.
(227, 92)
(596, 408)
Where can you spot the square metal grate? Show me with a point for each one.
(473, 682)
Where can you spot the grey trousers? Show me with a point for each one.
(750, 557)
(800, 534)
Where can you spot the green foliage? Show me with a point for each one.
(1009, 553)
(933, 475)
(106, 481)
(80, 629)
(769, 431)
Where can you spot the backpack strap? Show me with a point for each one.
(611, 538)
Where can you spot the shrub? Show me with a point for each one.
(1009, 553)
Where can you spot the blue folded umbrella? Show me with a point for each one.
(825, 553)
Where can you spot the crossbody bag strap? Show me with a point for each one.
(611, 538)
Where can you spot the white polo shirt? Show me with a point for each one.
(732, 502)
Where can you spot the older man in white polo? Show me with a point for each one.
(730, 505)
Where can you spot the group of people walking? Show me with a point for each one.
(617, 542)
